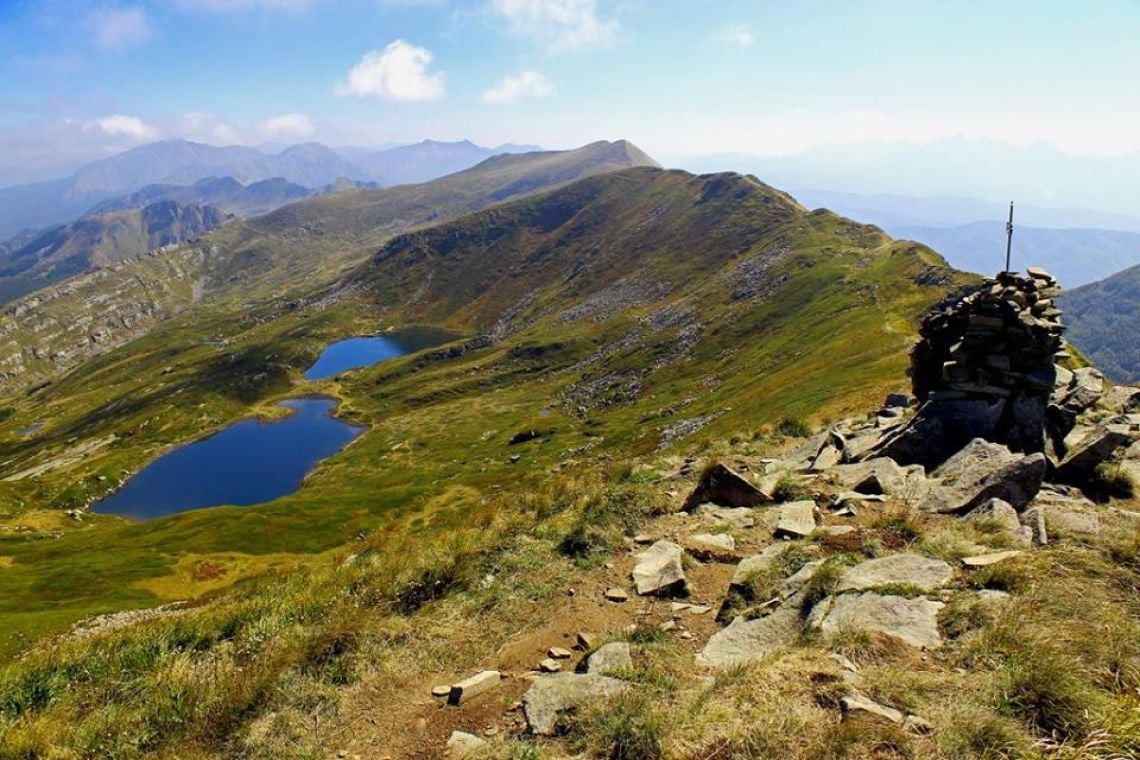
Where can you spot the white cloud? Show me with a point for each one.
(288, 126)
(736, 35)
(515, 87)
(130, 127)
(235, 6)
(557, 25)
(116, 28)
(399, 72)
(205, 128)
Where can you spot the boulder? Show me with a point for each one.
(723, 486)
(983, 471)
(1121, 399)
(1099, 446)
(942, 426)
(912, 621)
(876, 476)
(1033, 521)
(997, 512)
(614, 658)
(553, 695)
(712, 546)
(914, 570)
(659, 569)
(795, 519)
(462, 744)
(746, 640)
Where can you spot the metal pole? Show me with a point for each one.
(1008, 236)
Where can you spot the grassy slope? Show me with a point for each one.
(831, 337)
(1103, 319)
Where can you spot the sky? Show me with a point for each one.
(679, 78)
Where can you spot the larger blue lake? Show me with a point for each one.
(250, 462)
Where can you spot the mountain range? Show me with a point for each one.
(181, 162)
(268, 257)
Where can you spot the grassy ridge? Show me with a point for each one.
(632, 311)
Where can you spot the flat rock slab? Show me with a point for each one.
(985, 560)
(746, 640)
(725, 487)
(473, 686)
(912, 621)
(712, 546)
(983, 471)
(736, 517)
(876, 476)
(1099, 446)
(795, 519)
(612, 659)
(858, 706)
(923, 573)
(553, 695)
(659, 568)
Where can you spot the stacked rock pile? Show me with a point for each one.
(997, 340)
(984, 368)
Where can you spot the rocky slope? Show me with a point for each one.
(98, 240)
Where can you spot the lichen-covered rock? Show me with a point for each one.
(922, 573)
(746, 640)
(912, 621)
(551, 696)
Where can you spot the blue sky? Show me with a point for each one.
(80, 79)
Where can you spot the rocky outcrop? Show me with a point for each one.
(912, 621)
(912, 570)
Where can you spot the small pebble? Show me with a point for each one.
(617, 595)
(558, 653)
(549, 666)
(440, 691)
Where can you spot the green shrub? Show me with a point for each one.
(793, 427)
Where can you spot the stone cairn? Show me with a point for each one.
(984, 368)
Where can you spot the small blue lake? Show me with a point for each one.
(352, 353)
(250, 462)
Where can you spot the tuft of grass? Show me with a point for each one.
(793, 427)
(630, 727)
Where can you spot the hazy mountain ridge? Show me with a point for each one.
(1074, 256)
(225, 193)
(276, 255)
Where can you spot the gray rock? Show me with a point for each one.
(757, 563)
(985, 560)
(912, 621)
(997, 512)
(796, 519)
(462, 744)
(875, 476)
(857, 706)
(1121, 399)
(746, 640)
(723, 486)
(983, 471)
(736, 517)
(715, 540)
(912, 569)
(473, 686)
(562, 692)
(659, 568)
(941, 427)
(614, 658)
(1033, 521)
(1080, 462)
